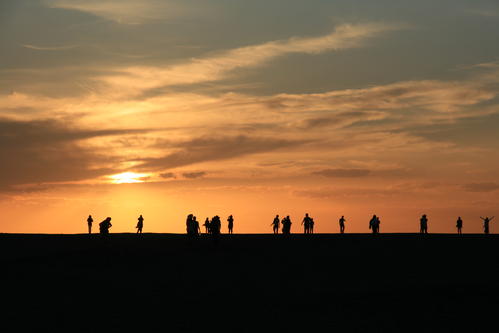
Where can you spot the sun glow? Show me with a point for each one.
(128, 178)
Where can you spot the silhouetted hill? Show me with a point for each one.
(251, 283)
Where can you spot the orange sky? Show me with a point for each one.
(105, 109)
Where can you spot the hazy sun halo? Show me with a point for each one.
(128, 177)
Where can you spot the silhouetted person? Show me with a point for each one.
(230, 224)
(486, 221)
(423, 222)
(195, 226)
(374, 224)
(311, 226)
(342, 224)
(459, 225)
(207, 225)
(104, 226)
(140, 224)
(90, 220)
(286, 225)
(188, 224)
(275, 224)
(306, 224)
(215, 225)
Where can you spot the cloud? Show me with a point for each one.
(205, 149)
(43, 151)
(127, 11)
(167, 175)
(49, 48)
(481, 187)
(194, 175)
(339, 119)
(343, 173)
(217, 67)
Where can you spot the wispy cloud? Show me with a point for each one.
(343, 173)
(127, 11)
(218, 66)
(49, 48)
(481, 187)
(194, 174)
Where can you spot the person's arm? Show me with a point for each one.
(491, 218)
(482, 218)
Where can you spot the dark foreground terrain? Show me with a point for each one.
(250, 283)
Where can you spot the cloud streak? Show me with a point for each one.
(217, 67)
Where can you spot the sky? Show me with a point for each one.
(251, 108)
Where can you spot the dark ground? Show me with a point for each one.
(251, 283)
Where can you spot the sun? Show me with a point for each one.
(128, 178)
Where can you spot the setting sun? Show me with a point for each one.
(128, 178)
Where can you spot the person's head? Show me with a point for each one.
(140, 215)
(374, 216)
(277, 215)
(424, 215)
(342, 216)
(108, 218)
(306, 214)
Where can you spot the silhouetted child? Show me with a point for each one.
(311, 226)
(486, 221)
(459, 225)
(230, 224)
(423, 224)
(342, 224)
(275, 224)
(104, 226)
(90, 220)
(140, 224)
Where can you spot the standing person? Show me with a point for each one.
(423, 224)
(486, 221)
(342, 224)
(306, 224)
(459, 225)
(195, 226)
(230, 224)
(207, 225)
(311, 226)
(215, 225)
(286, 225)
(188, 225)
(373, 224)
(140, 224)
(90, 220)
(275, 225)
(376, 224)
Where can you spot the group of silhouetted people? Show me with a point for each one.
(286, 225)
(105, 225)
(308, 224)
(192, 225)
(214, 225)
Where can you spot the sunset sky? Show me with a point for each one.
(252, 108)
